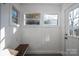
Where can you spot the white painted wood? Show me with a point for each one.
(71, 44)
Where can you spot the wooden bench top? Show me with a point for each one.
(21, 48)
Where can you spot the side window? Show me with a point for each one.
(14, 15)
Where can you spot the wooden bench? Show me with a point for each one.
(22, 48)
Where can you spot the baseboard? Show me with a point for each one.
(46, 52)
(62, 52)
(71, 52)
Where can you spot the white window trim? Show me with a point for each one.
(42, 22)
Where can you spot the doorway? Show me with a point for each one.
(71, 36)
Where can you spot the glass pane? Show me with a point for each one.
(14, 13)
(32, 22)
(71, 29)
(76, 31)
(76, 12)
(50, 19)
(71, 15)
(70, 22)
(76, 21)
(71, 32)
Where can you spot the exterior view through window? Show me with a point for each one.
(50, 20)
(74, 22)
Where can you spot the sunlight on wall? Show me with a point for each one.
(14, 30)
(18, 25)
(47, 38)
(2, 41)
(2, 33)
(24, 19)
(2, 44)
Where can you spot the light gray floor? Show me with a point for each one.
(43, 55)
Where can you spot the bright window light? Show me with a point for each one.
(50, 17)
(74, 22)
(50, 20)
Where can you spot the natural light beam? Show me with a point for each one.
(14, 30)
(2, 33)
(47, 38)
(2, 44)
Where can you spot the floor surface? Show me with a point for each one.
(43, 55)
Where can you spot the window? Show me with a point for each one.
(32, 19)
(35, 19)
(74, 22)
(50, 20)
(14, 15)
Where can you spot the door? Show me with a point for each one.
(0, 24)
(71, 30)
(71, 46)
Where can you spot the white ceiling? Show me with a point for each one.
(59, 4)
